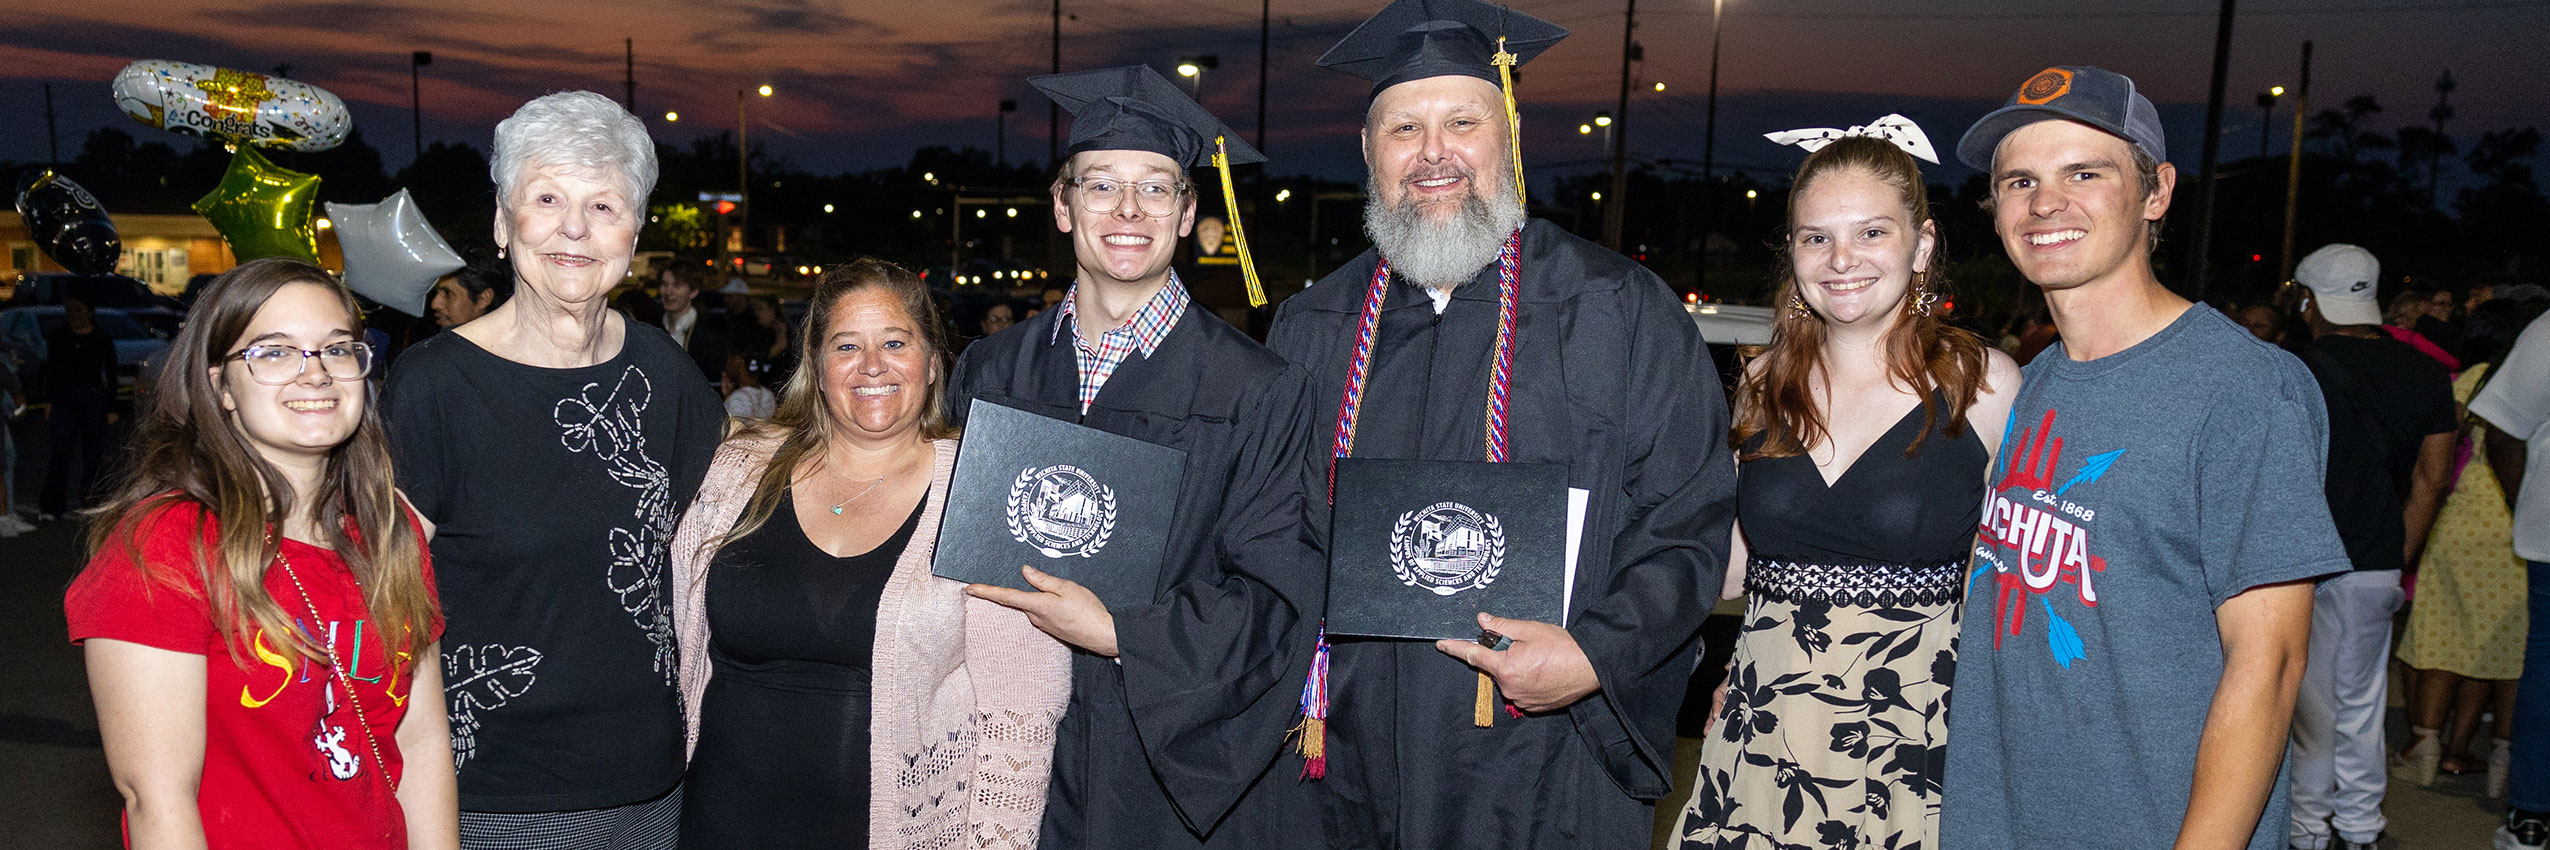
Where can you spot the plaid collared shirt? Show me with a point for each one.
(1143, 333)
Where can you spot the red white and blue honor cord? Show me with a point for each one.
(1314, 705)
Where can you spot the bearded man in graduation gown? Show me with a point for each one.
(1609, 377)
(1179, 707)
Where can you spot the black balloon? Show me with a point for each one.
(69, 225)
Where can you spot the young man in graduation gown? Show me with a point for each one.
(1178, 708)
(1608, 377)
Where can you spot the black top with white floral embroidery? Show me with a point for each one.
(554, 493)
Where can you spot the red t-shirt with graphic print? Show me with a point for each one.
(286, 763)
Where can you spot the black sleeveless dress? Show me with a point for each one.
(782, 760)
(1835, 724)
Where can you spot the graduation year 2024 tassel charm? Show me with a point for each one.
(1239, 236)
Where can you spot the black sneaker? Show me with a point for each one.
(2523, 831)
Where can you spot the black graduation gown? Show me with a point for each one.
(1169, 748)
(1611, 379)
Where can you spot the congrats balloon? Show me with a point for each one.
(391, 255)
(231, 105)
(263, 209)
(67, 222)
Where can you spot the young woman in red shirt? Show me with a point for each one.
(258, 595)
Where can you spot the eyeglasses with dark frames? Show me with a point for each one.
(276, 364)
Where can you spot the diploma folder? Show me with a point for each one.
(1419, 548)
(1070, 500)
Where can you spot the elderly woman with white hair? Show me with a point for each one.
(552, 444)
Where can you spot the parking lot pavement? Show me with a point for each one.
(54, 791)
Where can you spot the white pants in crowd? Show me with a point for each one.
(2339, 758)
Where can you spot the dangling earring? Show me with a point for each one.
(1923, 297)
(1797, 305)
(500, 252)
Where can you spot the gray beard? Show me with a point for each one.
(1447, 254)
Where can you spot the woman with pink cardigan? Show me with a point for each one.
(838, 694)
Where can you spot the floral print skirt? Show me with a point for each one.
(1835, 725)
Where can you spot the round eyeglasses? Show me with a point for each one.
(1154, 198)
(276, 365)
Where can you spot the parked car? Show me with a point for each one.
(23, 329)
(104, 290)
(1728, 327)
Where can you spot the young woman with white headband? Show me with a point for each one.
(1862, 432)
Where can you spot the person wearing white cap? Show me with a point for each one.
(2139, 602)
(2391, 431)
(2343, 280)
(735, 296)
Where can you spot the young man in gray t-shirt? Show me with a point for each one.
(2136, 619)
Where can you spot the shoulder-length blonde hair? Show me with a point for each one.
(802, 423)
(186, 450)
(1775, 399)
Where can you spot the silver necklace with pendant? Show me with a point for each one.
(837, 506)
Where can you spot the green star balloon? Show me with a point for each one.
(263, 209)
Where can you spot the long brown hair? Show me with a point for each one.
(186, 450)
(802, 423)
(1775, 399)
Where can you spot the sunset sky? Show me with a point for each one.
(860, 84)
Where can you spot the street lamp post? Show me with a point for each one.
(416, 98)
(2442, 112)
(2267, 116)
(2200, 249)
(743, 155)
(1193, 68)
(1709, 145)
(1615, 216)
(1001, 125)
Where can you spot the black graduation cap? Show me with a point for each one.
(1073, 501)
(1417, 548)
(1133, 108)
(1416, 39)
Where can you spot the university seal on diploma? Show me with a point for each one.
(1061, 511)
(1447, 548)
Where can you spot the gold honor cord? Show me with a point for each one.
(1239, 238)
(1483, 709)
(1505, 63)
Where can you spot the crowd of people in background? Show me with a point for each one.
(665, 555)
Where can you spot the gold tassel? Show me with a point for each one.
(1505, 63)
(1312, 742)
(1239, 238)
(1483, 713)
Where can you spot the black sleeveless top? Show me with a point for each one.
(782, 759)
(1885, 509)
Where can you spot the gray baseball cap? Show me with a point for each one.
(2097, 97)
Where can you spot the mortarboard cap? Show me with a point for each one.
(1133, 108)
(1416, 39)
